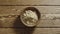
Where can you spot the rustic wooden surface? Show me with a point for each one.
(29, 2)
(49, 22)
(30, 31)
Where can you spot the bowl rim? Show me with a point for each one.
(32, 9)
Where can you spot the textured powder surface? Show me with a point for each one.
(30, 17)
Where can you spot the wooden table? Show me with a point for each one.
(11, 9)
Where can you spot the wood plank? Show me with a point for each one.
(50, 16)
(6, 31)
(47, 31)
(29, 31)
(46, 20)
(30, 2)
(49, 20)
(49, 23)
(11, 10)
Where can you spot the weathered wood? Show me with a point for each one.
(47, 31)
(46, 20)
(9, 10)
(29, 2)
(50, 16)
(49, 22)
(30, 31)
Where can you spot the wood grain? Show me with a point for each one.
(49, 22)
(29, 2)
(50, 16)
(46, 20)
(9, 10)
(29, 31)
